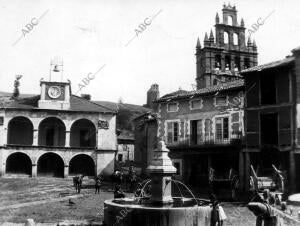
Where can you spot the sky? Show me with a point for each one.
(105, 41)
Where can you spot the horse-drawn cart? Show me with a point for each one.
(273, 183)
(225, 186)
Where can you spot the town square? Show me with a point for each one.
(155, 113)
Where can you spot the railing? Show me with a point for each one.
(210, 139)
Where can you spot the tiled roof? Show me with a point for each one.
(176, 93)
(274, 64)
(123, 106)
(76, 104)
(204, 91)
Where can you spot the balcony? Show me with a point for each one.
(208, 140)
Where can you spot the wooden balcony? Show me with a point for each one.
(208, 140)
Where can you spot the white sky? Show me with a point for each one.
(88, 34)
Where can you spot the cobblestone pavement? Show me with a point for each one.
(46, 200)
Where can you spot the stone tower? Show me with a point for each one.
(224, 55)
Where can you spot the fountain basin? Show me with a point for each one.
(126, 212)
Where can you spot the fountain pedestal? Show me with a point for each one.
(161, 209)
(161, 169)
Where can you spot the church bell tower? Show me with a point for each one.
(225, 53)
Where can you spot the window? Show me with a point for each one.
(230, 20)
(177, 166)
(172, 107)
(221, 101)
(269, 128)
(226, 38)
(172, 132)
(237, 63)
(196, 131)
(218, 61)
(268, 89)
(195, 104)
(222, 129)
(246, 63)
(177, 163)
(227, 63)
(235, 39)
(215, 82)
(120, 157)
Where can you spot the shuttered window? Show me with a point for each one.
(172, 132)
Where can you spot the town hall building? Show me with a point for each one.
(55, 133)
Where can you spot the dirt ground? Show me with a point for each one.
(46, 200)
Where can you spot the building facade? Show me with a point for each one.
(273, 119)
(125, 150)
(56, 134)
(203, 130)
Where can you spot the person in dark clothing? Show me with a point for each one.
(217, 212)
(118, 193)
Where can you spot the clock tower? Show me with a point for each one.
(55, 94)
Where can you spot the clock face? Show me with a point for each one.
(54, 92)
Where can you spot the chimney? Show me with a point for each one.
(86, 96)
(152, 95)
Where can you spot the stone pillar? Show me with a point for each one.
(34, 170)
(1, 164)
(241, 170)
(161, 169)
(66, 171)
(35, 137)
(247, 170)
(67, 142)
(292, 172)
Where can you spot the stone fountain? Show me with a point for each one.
(161, 208)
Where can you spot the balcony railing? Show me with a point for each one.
(211, 139)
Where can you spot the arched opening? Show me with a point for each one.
(237, 65)
(246, 63)
(50, 164)
(82, 164)
(218, 61)
(230, 20)
(20, 131)
(227, 62)
(226, 37)
(235, 39)
(83, 134)
(52, 132)
(18, 163)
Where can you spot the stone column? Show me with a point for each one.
(66, 171)
(35, 137)
(1, 164)
(34, 170)
(247, 170)
(241, 170)
(292, 172)
(67, 142)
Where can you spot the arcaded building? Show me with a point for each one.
(56, 133)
